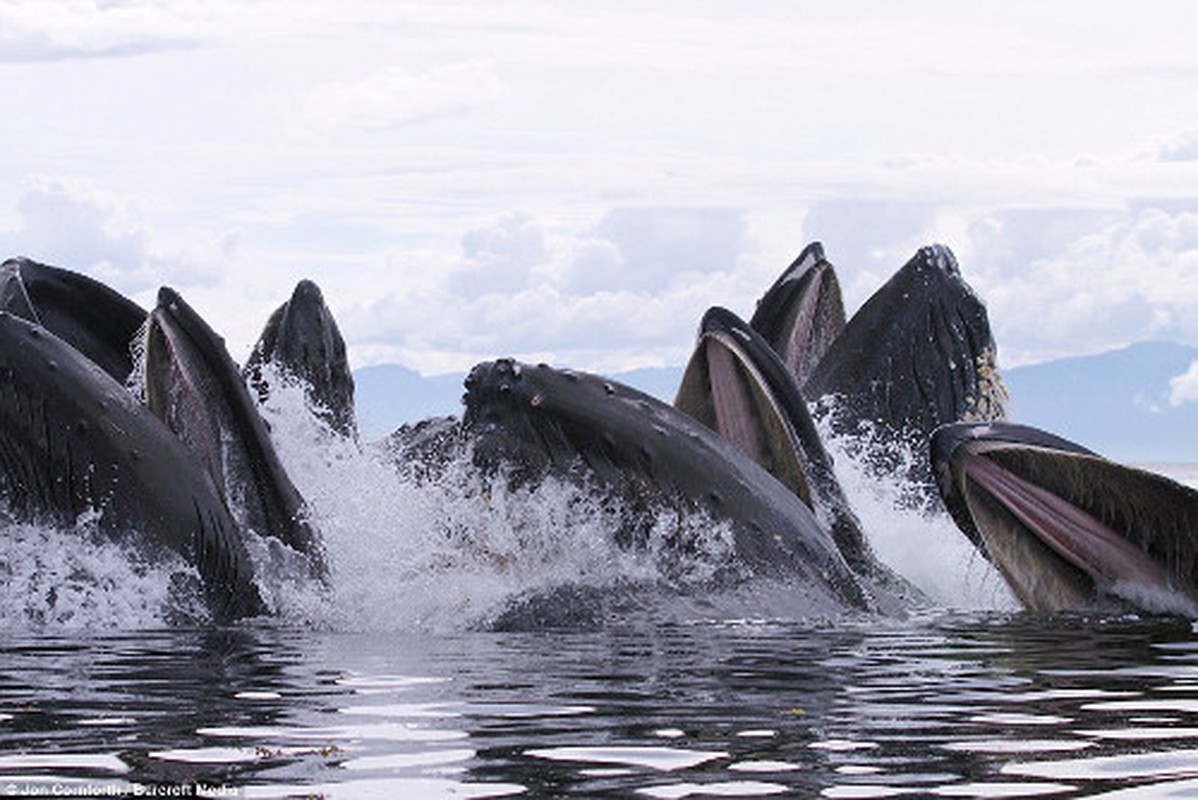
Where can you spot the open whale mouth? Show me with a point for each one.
(736, 384)
(1068, 529)
(802, 313)
(730, 387)
(193, 385)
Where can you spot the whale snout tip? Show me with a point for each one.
(941, 257)
(306, 291)
(167, 296)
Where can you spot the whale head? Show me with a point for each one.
(918, 354)
(1068, 529)
(302, 340)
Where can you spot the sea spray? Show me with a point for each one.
(907, 528)
(451, 551)
(78, 577)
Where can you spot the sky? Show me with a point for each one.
(576, 182)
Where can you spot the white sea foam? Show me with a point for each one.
(448, 553)
(75, 577)
(917, 539)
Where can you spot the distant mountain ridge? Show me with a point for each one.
(388, 395)
(1116, 403)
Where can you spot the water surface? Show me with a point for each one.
(385, 683)
(954, 705)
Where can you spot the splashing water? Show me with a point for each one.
(918, 540)
(450, 553)
(79, 577)
(439, 555)
(412, 554)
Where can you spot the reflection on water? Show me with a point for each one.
(953, 706)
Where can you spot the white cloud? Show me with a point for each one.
(660, 246)
(500, 258)
(601, 331)
(73, 224)
(1183, 388)
(565, 294)
(38, 30)
(1179, 148)
(1061, 282)
(396, 95)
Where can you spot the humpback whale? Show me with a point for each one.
(531, 420)
(301, 339)
(194, 386)
(74, 441)
(918, 354)
(1067, 528)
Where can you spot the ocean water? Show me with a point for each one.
(949, 704)
(388, 683)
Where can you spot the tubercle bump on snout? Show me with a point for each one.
(524, 388)
(497, 389)
(502, 372)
